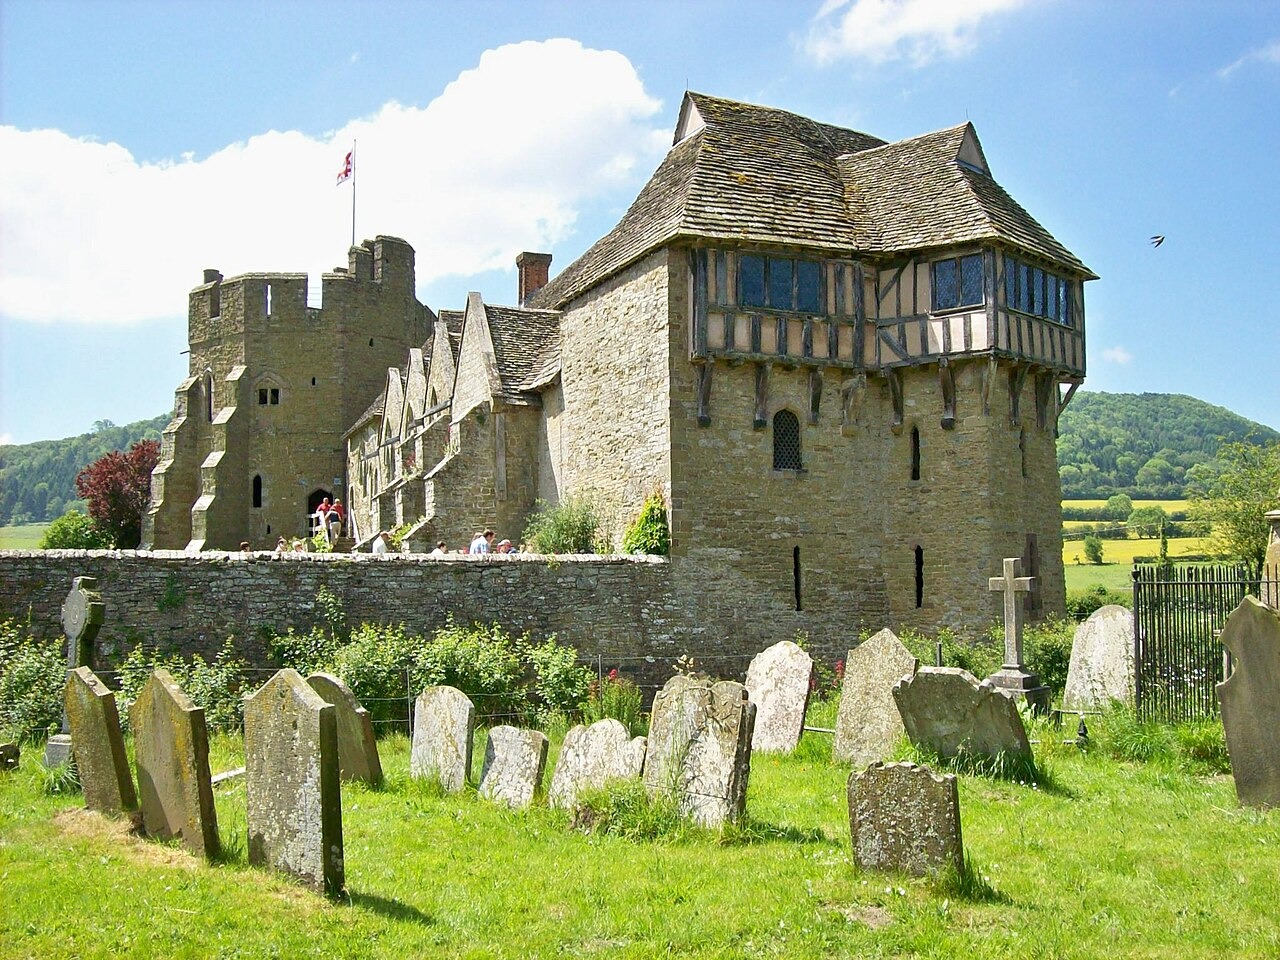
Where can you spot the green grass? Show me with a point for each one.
(1118, 859)
(1170, 506)
(1113, 576)
(25, 536)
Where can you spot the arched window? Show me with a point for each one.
(919, 577)
(915, 453)
(786, 441)
(257, 490)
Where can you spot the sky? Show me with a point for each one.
(146, 141)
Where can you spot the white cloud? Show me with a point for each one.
(6, 439)
(1265, 54)
(1117, 355)
(501, 161)
(882, 30)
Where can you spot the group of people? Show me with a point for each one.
(329, 518)
(483, 543)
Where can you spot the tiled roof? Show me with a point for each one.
(452, 320)
(760, 175)
(525, 343)
(373, 411)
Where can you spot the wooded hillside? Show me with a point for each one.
(1147, 445)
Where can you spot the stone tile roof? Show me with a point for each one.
(760, 175)
(372, 412)
(525, 343)
(452, 320)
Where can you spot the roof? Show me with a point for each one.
(525, 343)
(452, 320)
(755, 174)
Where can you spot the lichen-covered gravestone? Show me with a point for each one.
(946, 710)
(1250, 700)
(171, 752)
(444, 723)
(514, 760)
(699, 748)
(592, 756)
(294, 808)
(1101, 669)
(98, 746)
(778, 684)
(904, 817)
(83, 614)
(868, 723)
(357, 747)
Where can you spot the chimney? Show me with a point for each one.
(534, 269)
(212, 276)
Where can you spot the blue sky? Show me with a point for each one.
(147, 141)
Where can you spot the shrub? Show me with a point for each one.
(617, 698)
(32, 678)
(480, 661)
(981, 657)
(217, 687)
(559, 682)
(570, 527)
(376, 663)
(1093, 549)
(1046, 648)
(304, 652)
(1082, 603)
(74, 531)
(650, 532)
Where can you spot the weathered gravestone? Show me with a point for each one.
(946, 710)
(778, 684)
(514, 760)
(98, 746)
(9, 756)
(699, 748)
(357, 747)
(592, 756)
(1250, 700)
(171, 752)
(1102, 667)
(294, 808)
(83, 613)
(868, 724)
(444, 723)
(904, 817)
(1014, 677)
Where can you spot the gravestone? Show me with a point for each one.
(778, 684)
(97, 744)
(904, 817)
(171, 752)
(868, 724)
(357, 747)
(293, 804)
(699, 748)
(444, 723)
(946, 710)
(1250, 700)
(9, 756)
(1014, 677)
(513, 763)
(1102, 666)
(83, 613)
(592, 756)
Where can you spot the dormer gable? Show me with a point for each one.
(970, 152)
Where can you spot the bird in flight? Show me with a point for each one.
(1157, 240)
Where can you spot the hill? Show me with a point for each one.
(38, 480)
(1147, 445)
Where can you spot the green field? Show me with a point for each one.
(1170, 506)
(22, 537)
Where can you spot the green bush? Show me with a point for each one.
(1081, 604)
(570, 527)
(981, 657)
(304, 652)
(650, 532)
(376, 663)
(32, 678)
(1046, 649)
(559, 682)
(75, 531)
(218, 687)
(483, 663)
(1093, 549)
(617, 698)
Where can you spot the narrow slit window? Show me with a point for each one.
(786, 441)
(257, 491)
(1022, 449)
(208, 396)
(915, 453)
(267, 301)
(795, 573)
(919, 577)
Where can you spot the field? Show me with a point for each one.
(23, 537)
(1170, 506)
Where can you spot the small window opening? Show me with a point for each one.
(795, 573)
(275, 396)
(313, 381)
(267, 304)
(268, 528)
(262, 396)
(1022, 449)
(915, 453)
(786, 441)
(257, 492)
(208, 396)
(371, 341)
(919, 577)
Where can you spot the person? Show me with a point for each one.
(282, 545)
(482, 542)
(244, 546)
(381, 543)
(504, 546)
(321, 517)
(439, 551)
(337, 514)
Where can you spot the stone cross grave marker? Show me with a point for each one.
(1250, 700)
(444, 724)
(1102, 667)
(778, 684)
(868, 723)
(357, 747)
(904, 817)
(98, 746)
(171, 752)
(514, 760)
(1014, 676)
(946, 710)
(293, 803)
(699, 748)
(592, 756)
(83, 614)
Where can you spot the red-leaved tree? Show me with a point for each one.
(118, 487)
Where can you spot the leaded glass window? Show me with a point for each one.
(786, 441)
(808, 287)
(751, 281)
(957, 282)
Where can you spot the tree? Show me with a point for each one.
(1237, 499)
(1118, 507)
(118, 487)
(74, 531)
(1093, 549)
(1147, 521)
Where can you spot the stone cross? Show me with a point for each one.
(1014, 678)
(83, 613)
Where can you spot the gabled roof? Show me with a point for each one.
(754, 174)
(525, 343)
(452, 320)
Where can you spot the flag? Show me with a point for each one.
(348, 166)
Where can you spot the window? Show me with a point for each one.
(257, 490)
(786, 441)
(208, 396)
(1038, 292)
(780, 283)
(808, 287)
(919, 577)
(268, 395)
(957, 282)
(795, 574)
(751, 281)
(275, 396)
(915, 453)
(262, 396)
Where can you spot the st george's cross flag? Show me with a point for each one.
(348, 166)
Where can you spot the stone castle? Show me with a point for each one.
(840, 360)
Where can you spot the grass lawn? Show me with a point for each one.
(1111, 859)
(25, 536)
(1113, 576)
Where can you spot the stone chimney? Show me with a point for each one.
(534, 269)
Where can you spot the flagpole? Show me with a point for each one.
(353, 193)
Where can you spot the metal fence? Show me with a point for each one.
(1178, 615)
